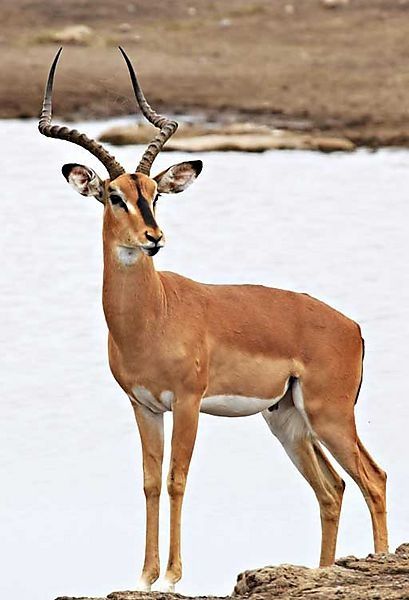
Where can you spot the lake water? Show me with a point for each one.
(71, 504)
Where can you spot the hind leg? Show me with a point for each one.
(334, 424)
(290, 428)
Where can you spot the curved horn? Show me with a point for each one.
(72, 135)
(166, 126)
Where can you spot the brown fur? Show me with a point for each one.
(167, 332)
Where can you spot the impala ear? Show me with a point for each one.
(179, 177)
(84, 180)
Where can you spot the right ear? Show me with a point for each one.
(84, 180)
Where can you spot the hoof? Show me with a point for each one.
(166, 586)
(143, 586)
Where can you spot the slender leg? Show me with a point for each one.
(185, 421)
(376, 498)
(329, 410)
(150, 426)
(343, 442)
(288, 426)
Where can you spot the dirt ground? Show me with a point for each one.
(292, 63)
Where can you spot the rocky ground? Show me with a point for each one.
(242, 137)
(336, 67)
(381, 577)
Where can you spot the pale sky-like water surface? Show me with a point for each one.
(71, 503)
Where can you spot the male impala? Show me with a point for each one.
(227, 350)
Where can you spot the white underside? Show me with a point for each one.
(219, 406)
(290, 422)
(236, 406)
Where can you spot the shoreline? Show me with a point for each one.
(215, 122)
(292, 64)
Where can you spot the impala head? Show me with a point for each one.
(129, 198)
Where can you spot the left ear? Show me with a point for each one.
(84, 180)
(178, 177)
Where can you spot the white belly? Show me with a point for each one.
(235, 406)
(219, 406)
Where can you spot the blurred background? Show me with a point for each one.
(332, 65)
(327, 75)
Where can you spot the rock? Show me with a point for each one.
(124, 27)
(141, 133)
(80, 35)
(334, 3)
(403, 550)
(377, 577)
(258, 143)
(241, 137)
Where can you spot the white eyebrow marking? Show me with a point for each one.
(118, 192)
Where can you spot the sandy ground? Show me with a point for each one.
(292, 63)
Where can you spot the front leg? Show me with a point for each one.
(150, 426)
(185, 421)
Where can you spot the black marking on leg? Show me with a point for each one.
(291, 381)
(362, 370)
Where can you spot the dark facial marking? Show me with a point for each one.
(155, 201)
(117, 200)
(145, 211)
(143, 205)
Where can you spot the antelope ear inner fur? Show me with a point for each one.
(177, 178)
(84, 180)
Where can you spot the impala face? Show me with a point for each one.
(130, 205)
(130, 201)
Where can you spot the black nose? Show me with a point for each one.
(152, 238)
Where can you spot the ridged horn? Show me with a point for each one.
(72, 135)
(166, 126)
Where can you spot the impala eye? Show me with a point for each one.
(117, 201)
(156, 199)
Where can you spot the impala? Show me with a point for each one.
(227, 350)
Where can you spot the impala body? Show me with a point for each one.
(228, 350)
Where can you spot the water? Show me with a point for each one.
(71, 505)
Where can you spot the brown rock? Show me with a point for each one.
(142, 133)
(80, 35)
(259, 143)
(334, 3)
(377, 577)
(241, 137)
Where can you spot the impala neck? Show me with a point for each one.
(133, 296)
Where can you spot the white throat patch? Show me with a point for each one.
(127, 256)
